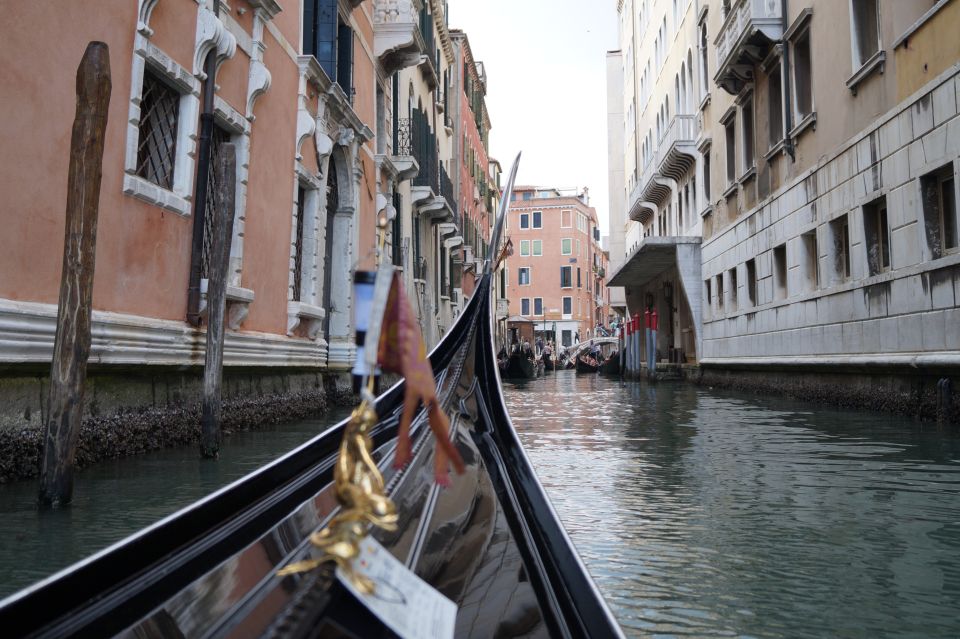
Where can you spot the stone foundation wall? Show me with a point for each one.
(131, 413)
(911, 395)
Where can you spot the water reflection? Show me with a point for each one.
(118, 497)
(711, 514)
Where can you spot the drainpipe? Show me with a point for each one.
(785, 80)
(200, 188)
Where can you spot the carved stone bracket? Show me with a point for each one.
(258, 84)
(144, 11)
(306, 318)
(397, 40)
(238, 306)
(306, 125)
(212, 35)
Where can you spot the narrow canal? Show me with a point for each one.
(713, 514)
(699, 513)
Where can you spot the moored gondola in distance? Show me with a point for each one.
(491, 542)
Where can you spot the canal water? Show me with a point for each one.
(699, 513)
(712, 514)
(116, 498)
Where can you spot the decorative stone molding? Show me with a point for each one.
(178, 198)
(397, 41)
(144, 11)
(400, 167)
(257, 84)
(212, 36)
(259, 78)
(269, 8)
(122, 339)
(304, 316)
(238, 306)
(306, 125)
(341, 353)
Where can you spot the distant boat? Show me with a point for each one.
(520, 366)
(611, 365)
(586, 364)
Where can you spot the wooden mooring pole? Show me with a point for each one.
(71, 348)
(226, 172)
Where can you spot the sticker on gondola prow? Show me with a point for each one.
(406, 604)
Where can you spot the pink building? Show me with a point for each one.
(554, 275)
(301, 88)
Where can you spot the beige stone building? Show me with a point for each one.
(827, 139)
(656, 258)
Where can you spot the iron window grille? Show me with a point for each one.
(298, 247)
(219, 137)
(159, 114)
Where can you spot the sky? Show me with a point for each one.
(546, 87)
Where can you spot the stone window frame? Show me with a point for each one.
(729, 123)
(748, 166)
(211, 36)
(570, 245)
(524, 301)
(177, 199)
(520, 271)
(535, 313)
(800, 27)
(862, 69)
(775, 61)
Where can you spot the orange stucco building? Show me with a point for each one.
(554, 275)
(302, 88)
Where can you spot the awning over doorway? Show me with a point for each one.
(652, 257)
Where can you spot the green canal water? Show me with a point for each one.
(699, 513)
(711, 514)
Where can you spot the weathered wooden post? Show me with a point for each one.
(226, 172)
(71, 348)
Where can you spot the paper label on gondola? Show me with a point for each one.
(406, 604)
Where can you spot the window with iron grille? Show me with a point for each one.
(298, 247)
(220, 136)
(157, 146)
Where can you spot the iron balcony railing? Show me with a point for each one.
(446, 190)
(402, 137)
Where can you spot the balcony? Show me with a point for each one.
(649, 193)
(402, 158)
(423, 144)
(748, 31)
(397, 41)
(446, 190)
(678, 147)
